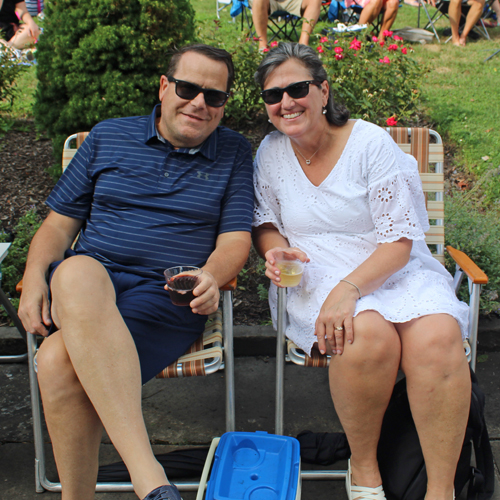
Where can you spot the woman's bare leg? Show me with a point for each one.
(361, 383)
(22, 38)
(473, 16)
(439, 390)
(311, 10)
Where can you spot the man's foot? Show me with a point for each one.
(166, 492)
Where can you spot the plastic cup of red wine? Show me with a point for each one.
(181, 281)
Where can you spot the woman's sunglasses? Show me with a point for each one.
(187, 90)
(295, 91)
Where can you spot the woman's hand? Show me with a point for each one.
(272, 272)
(334, 323)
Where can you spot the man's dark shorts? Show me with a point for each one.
(161, 331)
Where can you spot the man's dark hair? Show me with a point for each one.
(336, 113)
(208, 51)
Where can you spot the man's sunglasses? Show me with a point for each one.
(187, 90)
(295, 91)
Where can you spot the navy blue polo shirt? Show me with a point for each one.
(148, 206)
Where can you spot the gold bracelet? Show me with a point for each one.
(355, 286)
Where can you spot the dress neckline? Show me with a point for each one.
(339, 161)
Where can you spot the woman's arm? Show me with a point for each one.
(338, 308)
(25, 17)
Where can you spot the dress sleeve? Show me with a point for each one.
(396, 199)
(267, 206)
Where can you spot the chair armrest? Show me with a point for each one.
(472, 270)
(230, 286)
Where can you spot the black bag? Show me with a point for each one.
(401, 461)
(323, 448)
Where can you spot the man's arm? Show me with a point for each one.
(225, 262)
(54, 237)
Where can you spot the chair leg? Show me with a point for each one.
(227, 328)
(475, 292)
(280, 362)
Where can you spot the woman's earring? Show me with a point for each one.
(324, 110)
(269, 120)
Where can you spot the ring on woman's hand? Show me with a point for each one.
(339, 328)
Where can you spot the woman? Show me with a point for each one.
(341, 194)
(12, 33)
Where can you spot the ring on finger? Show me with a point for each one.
(339, 328)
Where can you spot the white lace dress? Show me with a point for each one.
(372, 195)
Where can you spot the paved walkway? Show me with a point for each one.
(188, 412)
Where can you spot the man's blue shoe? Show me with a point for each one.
(167, 492)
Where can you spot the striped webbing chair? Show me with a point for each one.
(427, 147)
(212, 352)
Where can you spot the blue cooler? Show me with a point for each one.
(253, 466)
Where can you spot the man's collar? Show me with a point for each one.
(208, 148)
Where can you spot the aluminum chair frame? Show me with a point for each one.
(464, 266)
(226, 363)
(5, 302)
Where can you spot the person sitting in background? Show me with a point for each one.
(372, 9)
(308, 9)
(455, 13)
(12, 33)
(495, 6)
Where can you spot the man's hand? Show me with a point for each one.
(34, 308)
(207, 295)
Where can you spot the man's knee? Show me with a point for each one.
(56, 375)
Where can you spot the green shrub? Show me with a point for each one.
(378, 81)
(477, 234)
(13, 265)
(99, 59)
(10, 70)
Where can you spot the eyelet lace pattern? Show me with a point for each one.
(373, 195)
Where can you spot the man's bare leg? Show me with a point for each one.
(311, 10)
(104, 359)
(260, 15)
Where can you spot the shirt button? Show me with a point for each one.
(166, 174)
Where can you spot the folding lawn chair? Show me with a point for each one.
(212, 352)
(430, 158)
(5, 302)
(442, 10)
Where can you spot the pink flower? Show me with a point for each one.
(320, 49)
(339, 57)
(265, 50)
(256, 38)
(323, 39)
(339, 50)
(382, 43)
(385, 60)
(355, 44)
(274, 44)
(393, 47)
(397, 38)
(404, 50)
(336, 41)
(374, 39)
(391, 121)
(387, 33)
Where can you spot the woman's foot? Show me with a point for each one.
(355, 492)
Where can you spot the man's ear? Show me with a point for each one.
(164, 83)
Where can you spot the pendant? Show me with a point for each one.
(308, 162)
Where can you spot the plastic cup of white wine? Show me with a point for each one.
(290, 267)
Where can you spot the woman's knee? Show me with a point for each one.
(375, 340)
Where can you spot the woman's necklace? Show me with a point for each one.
(308, 161)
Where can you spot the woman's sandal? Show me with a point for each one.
(361, 492)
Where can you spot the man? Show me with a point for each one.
(147, 193)
(308, 9)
